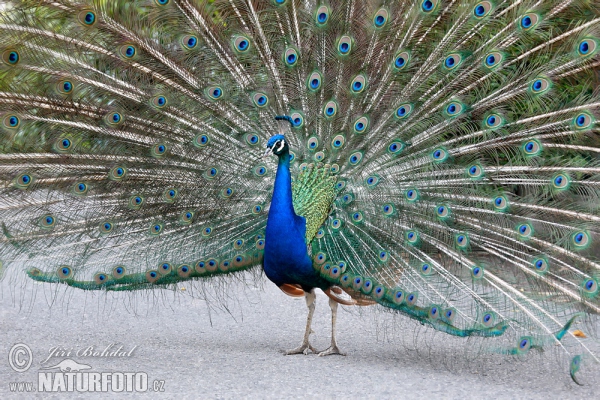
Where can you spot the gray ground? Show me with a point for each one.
(204, 353)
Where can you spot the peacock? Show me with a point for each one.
(437, 159)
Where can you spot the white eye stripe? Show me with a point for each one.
(282, 143)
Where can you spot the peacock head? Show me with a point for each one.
(277, 144)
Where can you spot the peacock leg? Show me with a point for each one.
(333, 349)
(305, 347)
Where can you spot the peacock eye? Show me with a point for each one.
(344, 45)
(322, 15)
(381, 18)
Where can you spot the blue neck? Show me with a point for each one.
(282, 207)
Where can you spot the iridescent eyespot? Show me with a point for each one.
(64, 272)
(170, 195)
(330, 109)
(401, 60)
(361, 125)
(344, 45)
(63, 145)
(320, 233)
(152, 276)
(201, 140)
(322, 15)
(398, 297)
(358, 84)
(47, 221)
(453, 109)
(117, 173)
(260, 99)
(314, 81)
(338, 141)
(532, 148)
(136, 202)
(313, 143)
(319, 156)
(64, 87)
(100, 278)
(183, 271)
(290, 57)
(200, 267)
(158, 150)
(403, 111)
(187, 217)
(583, 121)
(529, 21)
(348, 198)
(162, 2)
(189, 42)
(23, 181)
(11, 121)
(493, 121)
(482, 9)
(214, 92)
(434, 312)
(581, 239)
(380, 18)
(260, 244)
(477, 272)
(442, 211)
(372, 181)
(412, 194)
(560, 181)
(297, 120)
(412, 237)
(207, 231)
(127, 51)
(257, 209)
(540, 85)
(440, 154)
(396, 147)
(357, 216)
(105, 227)
(411, 299)
(158, 101)
(426, 269)
(114, 118)
(10, 57)
(452, 61)
(252, 139)
(388, 209)
(164, 268)
(500, 203)
(525, 231)
(340, 185)
(587, 47)
(488, 319)
(524, 345)
(449, 314)
(462, 240)
(156, 228)
(211, 173)
(493, 59)
(80, 188)
(227, 192)
(260, 170)
(428, 6)
(119, 272)
(212, 265)
(241, 44)
(540, 264)
(355, 158)
(86, 17)
(475, 171)
(590, 286)
(336, 223)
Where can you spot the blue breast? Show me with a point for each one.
(286, 259)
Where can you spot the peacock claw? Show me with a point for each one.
(305, 348)
(331, 351)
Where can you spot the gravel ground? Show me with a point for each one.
(196, 351)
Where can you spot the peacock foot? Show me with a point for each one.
(330, 351)
(305, 348)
